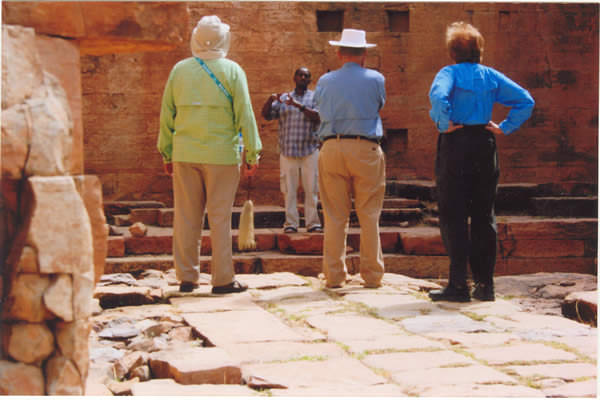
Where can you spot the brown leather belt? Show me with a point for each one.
(359, 137)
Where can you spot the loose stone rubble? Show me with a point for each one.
(289, 336)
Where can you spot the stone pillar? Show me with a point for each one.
(53, 231)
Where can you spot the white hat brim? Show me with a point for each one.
(355, 45)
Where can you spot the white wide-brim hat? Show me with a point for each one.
(210, 38)
(352, 38)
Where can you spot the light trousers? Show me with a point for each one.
(200, 187)
(352, 167)
(291, 170)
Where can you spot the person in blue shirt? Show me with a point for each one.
(351, 162)
(462, 97)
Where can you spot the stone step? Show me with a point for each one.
(514, 198)
(511, 198)
(112, 208)
(525, 245)
(266, 217)
(159, 240)
(156, 213)
(415, 266)
(565, 206)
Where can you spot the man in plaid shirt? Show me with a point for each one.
(298, 148)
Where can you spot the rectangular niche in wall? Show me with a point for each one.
(398, 20)
(504, 20)
(330, 21)
(396, 140)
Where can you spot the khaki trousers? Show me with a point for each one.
(291, 170)
(200, 187)
(352, 167)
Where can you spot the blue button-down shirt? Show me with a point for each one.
(297, 136)
(465, 94)
(349, 100)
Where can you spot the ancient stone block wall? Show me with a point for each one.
(128, 50)
(53, 233)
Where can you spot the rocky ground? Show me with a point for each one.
(289, 336)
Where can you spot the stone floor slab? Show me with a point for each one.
(392, 343)
(271, 281)
(586, 345)
(535, 327)
(586, 388)
(477, 390)
(96, 389)
(122, 295)
(394, 306)
(190, 365)
(419, 380)
(170, 388)
(282, 351)
(288, 294)
(205, 304)
(340, 372)
(453, 322)
(422, 360)
(521, 353)
(406, 282)
(350, 391)
(563, 371)
(499, 307)
(343, 327)
(475, 339)
(244, 326)
(172, 291)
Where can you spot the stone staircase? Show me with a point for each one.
(538, 231)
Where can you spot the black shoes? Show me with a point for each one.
(187, 287)
(233, 287)
(290, 229)
(483, 292)
(451, 293)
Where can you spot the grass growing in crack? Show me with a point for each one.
(295, 317)
(584, 378)
(523, 363)
(357, 308)
(456, 365)
(394, 350)
(475, 316)
(300, 358)
(264, 392)
(569, 349)
(466, 354)
(421, 295)
(344, 347)
(529, 381)
(383, 373)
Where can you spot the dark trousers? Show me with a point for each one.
(467, 174)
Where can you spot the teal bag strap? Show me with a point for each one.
(214, 78)
(220, 85)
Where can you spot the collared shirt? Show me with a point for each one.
(296, 132)
(465, 94)
(349, 100)
(197, 121)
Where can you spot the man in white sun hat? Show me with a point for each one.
(205, 104)
(351, 162)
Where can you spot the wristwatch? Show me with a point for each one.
(302, 108)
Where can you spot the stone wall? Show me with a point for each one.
(128, 50)
(53, 230)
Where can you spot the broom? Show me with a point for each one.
(246, 229)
